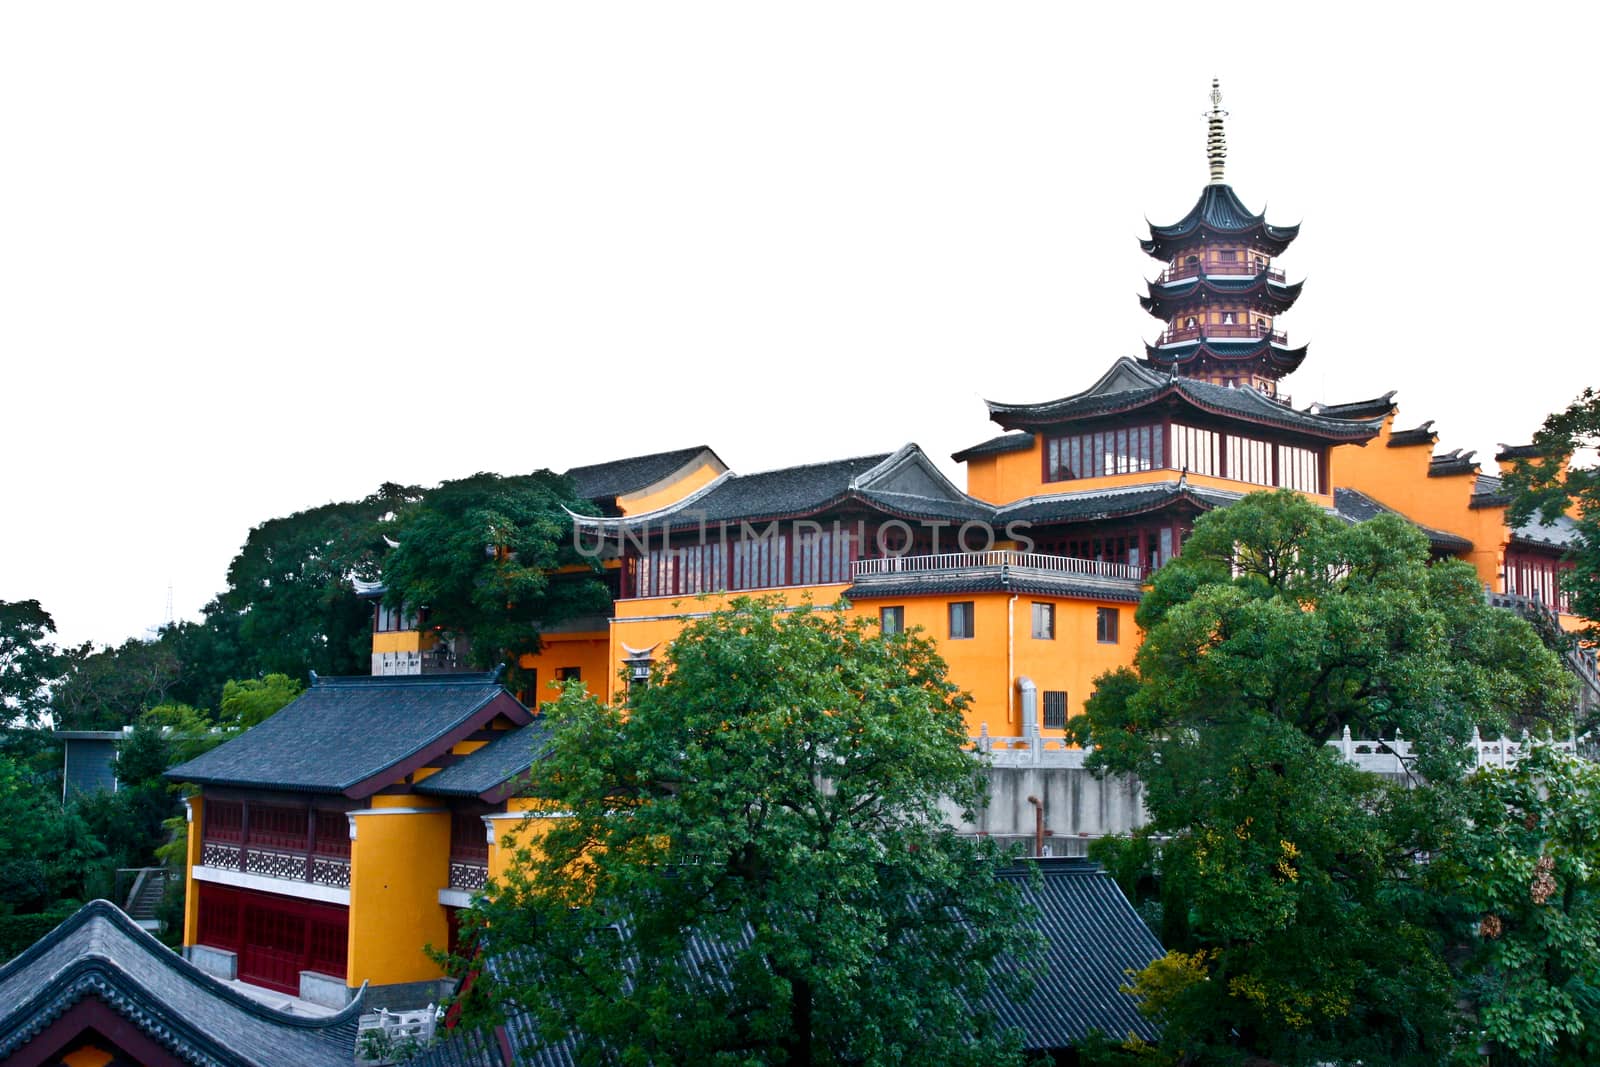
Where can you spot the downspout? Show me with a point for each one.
(1011, 658)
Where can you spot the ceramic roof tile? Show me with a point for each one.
(100, 952)
(495, 764)
(343, 731)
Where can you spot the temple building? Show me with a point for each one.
(373, 806)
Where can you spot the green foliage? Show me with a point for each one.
(29, 662)
(289, 591)
(480, 554)
(17, 932)
(775, 792)
(255, 700)
(1544, 489)
(46, 854)
(1287, 876)
(1524, 868)
(110, 687)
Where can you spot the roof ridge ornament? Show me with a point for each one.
(1216, 141)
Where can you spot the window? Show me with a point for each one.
(961, 620)
(892, 620)
(529, 694)
(569, 674)
(1092, 455)
(1228, 255)
(1044, 621)
(1055, 709)
(1106, 625)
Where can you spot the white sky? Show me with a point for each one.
(254, 258)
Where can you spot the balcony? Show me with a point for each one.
(1232, 270)
(1222, 331)
(292, 843)
(296, 865)
(956, 570)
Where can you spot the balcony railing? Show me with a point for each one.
(293, 865)
(1232, 330)
(1189, 270)
(961, 561)
(470, 875)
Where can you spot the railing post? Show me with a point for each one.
(1349, 748)
(1477, 747)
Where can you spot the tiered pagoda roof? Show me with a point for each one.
(1261, 289)
(1219, 213)
(1129, 387)
(1256, 351)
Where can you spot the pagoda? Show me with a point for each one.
(1219, 293)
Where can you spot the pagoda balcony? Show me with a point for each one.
(1190, 270)
(894, 574)
(1221, 331)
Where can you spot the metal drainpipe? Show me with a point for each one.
(1011, 659)
(1038, 826)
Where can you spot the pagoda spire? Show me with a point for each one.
(1216, 141)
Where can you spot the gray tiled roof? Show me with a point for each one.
(496, 764)
(1006, 442)
(1357, 506)
(99, 952)
(599, 481)
(1518, 452)
(1129, 387)
(343, 732)
(1563, 533)
(1219, 210)
(1096, 504)
(903, 482)
(1092, 938)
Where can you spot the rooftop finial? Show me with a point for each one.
(1216, 143)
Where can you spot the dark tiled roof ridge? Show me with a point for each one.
(692, 450)
(1010, 441)
(105, 911)
(1518, 452)
(378, 680)
(1351, 408)
(875, 459)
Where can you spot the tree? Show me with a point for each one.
(752, 866)
(1546, 487)
(290, 593)
(110, 687)
(254, 700)
(481, 556)
(1524, 866)
(1288, 880)
(29, 662)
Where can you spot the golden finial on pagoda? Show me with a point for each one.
(1216, 143)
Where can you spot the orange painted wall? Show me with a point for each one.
(978, 665)
(589, 652)
(398, 863)
(1398, 478)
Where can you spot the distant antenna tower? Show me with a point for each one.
(172, 618)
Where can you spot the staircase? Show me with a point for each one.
(149, 886)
